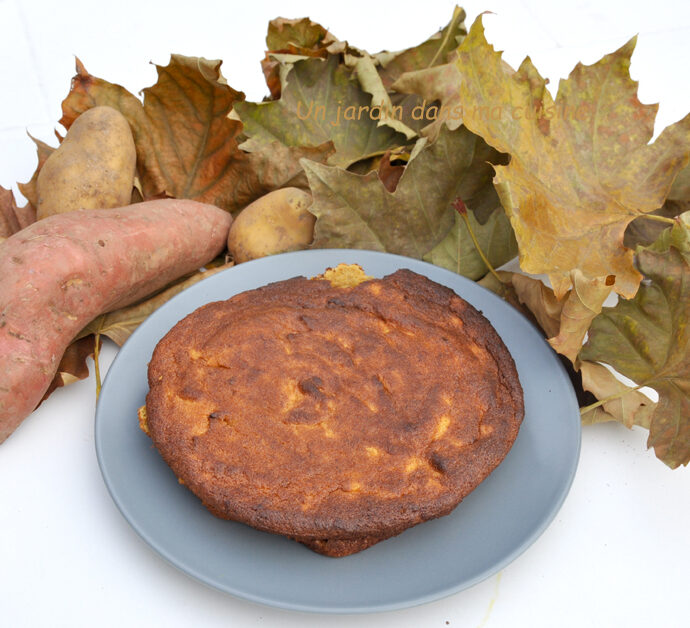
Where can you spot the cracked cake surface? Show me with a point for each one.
(336, 413)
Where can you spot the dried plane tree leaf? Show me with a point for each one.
(355, 211)
(367, 74)
(582, 303)
(429, 56)
(186, 144)
(644, 232)
(564, 321)
(581, 168)
(432, 85)
(300, 36)
(12, 217)
(680, 190)
(273, 166)
(28, 189)
(180, 155)
(389, 173)
(87, 91)
(678, 237)
(72, 367)
(457, 251)
(545, 305)
(501, 284)
(531, 296)
(322, 101)
(432, 52)
(539, 299)
(626, 405)
(647, 339)
(288, 41)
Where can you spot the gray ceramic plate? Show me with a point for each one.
(488, 530)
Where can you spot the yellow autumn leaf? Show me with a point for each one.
(580, 307)
(625, 404)
(581, 167)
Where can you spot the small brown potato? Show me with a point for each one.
(93, 168)
(275, 223)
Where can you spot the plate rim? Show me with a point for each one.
(257, 598)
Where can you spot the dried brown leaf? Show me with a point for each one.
(186, 144)
(540, 300)
(504, 289)
(388, 173)
(647, 339)
(300, 35)
(458, 251)
(322, 101)
(12, 217)
(288, 41)
(72, 367)
(627, 406)
(29, 189)
(582, 303)
(434, 85)
(424, 61)
(355, 211)
(582, 167)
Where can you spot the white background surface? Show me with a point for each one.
(617, 554)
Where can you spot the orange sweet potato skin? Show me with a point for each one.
(58, 274)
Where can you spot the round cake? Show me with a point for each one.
(339, 410)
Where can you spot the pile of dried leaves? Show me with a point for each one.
(392, 145)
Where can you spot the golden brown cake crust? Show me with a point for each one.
(347, 414)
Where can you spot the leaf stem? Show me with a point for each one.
(457, 12)
(96, 365)
(479, 248)
(668, 221)
(613, 397)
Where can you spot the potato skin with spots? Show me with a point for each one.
(337, 411)
(58, 274)
(93, 168)
(275, 223)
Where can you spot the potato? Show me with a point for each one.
(93, 168)
(275, 223)
(58, 274)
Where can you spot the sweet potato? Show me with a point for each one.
(57, 274)
(275, 223)
(93, 168)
